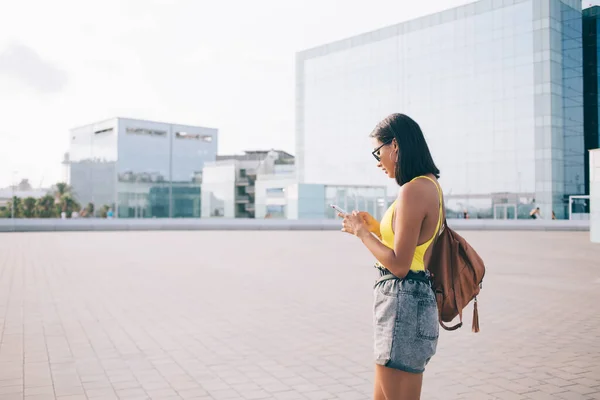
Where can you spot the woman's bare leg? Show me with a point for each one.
(398, 385)
(377, 389)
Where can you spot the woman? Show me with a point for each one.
(405, 311)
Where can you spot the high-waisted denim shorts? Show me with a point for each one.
(405, 318)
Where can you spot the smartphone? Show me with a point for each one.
(336, 208)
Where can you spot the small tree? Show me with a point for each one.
(29, 207)
(61, 191)
(4, 212)
(45, 207)
(89, 209)
(15, 203)
(68, 204)
(104, 211)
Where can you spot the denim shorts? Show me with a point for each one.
(405, 319)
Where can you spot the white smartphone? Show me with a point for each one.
(338, 209)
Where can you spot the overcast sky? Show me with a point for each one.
(220, 63)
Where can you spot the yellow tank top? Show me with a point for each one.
(387, 232)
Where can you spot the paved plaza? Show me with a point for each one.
(279, 315)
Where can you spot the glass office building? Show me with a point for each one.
(141, 169)
(591, 71)
(496, 86)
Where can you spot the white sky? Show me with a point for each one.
(220, 63)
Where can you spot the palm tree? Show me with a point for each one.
(29, 207)
(61, 189)
(68, 204)
(45, 207)
(64, 199)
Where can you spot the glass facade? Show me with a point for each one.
(141, 169)
(93, 164)
(496, 86)
(591, 69)
(284, 198)
(349, 198)
(567, 69)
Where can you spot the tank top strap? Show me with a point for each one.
(439, 222)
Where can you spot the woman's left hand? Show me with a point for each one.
(354, 224)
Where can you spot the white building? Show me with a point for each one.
(282, 196)
(595, 195)
(264, 184)
(228, 184)
(7, 194)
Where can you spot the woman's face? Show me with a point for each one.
(386, 154)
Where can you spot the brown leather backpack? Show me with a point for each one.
(457, 272)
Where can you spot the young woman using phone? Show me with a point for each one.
(405, 312)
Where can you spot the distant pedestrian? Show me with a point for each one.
(535, 213)
(405, 309)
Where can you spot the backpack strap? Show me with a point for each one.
(448, 328)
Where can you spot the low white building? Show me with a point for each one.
(281, 196)
(264, 184)
(595, 195)
(7, 194)
(229, 183)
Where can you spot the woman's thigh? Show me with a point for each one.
(393, 384)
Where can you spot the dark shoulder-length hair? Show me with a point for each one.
(414, 157)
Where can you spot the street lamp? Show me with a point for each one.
(12, 208)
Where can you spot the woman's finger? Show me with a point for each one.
(354, 219)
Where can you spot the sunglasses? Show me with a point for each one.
(377, 150)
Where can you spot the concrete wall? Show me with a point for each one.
(70, 225)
